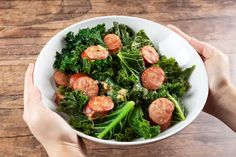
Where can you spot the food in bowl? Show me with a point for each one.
(115, 84)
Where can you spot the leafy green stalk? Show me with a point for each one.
(123, 113)
(177, 107)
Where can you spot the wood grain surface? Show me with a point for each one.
(26, 26)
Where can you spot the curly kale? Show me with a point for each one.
(125, 33)
(132, 65)
(73, 103)
(140, 125)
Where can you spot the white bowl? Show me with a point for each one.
(170, 44)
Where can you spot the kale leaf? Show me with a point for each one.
(127, 134)
(176, 77)
(141, 39)
(63, 90)
(73, 103)
(140, 125)
(132, 65)
(69, 60)
(105, 129)
(82, 123)
(173, 71)
(179, 112)
(125, 33)
(98, 69)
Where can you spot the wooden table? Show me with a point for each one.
(26, 26)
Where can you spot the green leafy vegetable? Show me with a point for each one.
(132, 65)
(177, 78)
(73, 102)
(113, 90)
(141, 39)
(69, 60)
(147, 97)
(82, 123)
(99, 69)
(126, 135)
(172, 69)
(179, 113)
(63, 90)
(141, 126)
(125, 33)
(119, 78)
(102, 129)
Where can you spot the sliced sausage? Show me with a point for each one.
(160, 111)
(87, 85)
(58, 97)
(93, 114)
(152, 78)
(74, 77)
(166, 125)
(61, 79)
(101, 103)
(149, 54)
(113, 42)
(98, 106)
(95, 53)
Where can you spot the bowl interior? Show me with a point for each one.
(169, 43)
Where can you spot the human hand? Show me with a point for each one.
(48, 127)
(217, 66)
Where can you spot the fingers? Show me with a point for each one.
(197, 45)
(28, 83)
(29, 78)
(32, 95)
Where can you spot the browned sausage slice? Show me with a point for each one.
(152, 78)
(74, 77)
(101, 103)
(95, 53)
(58, 97)
(149, 54)
(160, 111)
(87, 85)
(166, 125)
(113, 42)
(98, 106)
(61, 79)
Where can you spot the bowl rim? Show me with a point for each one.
(131, 143)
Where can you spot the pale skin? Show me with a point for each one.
(60, 140)
(49, 128)
(222, 93)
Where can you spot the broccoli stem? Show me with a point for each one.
(125, 110)
(177, 106)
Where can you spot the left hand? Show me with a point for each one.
(48, 127)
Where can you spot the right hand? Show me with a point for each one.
(217, 66)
